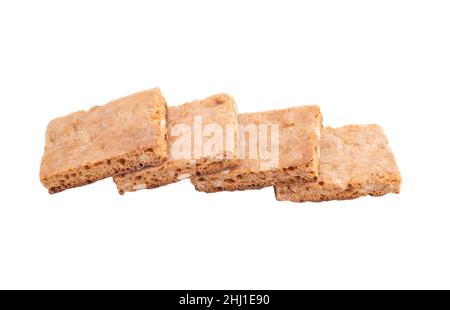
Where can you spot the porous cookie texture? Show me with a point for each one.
(354, 161)
(275, 146)
(126, 134)
(202, 140)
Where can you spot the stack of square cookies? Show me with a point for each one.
(141, 143)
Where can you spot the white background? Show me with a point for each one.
(385, 62)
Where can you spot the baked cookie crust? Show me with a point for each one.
(126, 134)
(191, 119)
(354, 161)
(296, 145)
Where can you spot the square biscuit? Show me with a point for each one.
(202, 140)
(275, 146)
(123, 135)
(354, 161)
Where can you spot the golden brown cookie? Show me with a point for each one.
(202, 140)
(275, 146)
(354, 161)
(124, 135)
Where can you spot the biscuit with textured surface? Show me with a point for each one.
(354, 161)
(291, 151)
(123, 135)
(192, 120)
